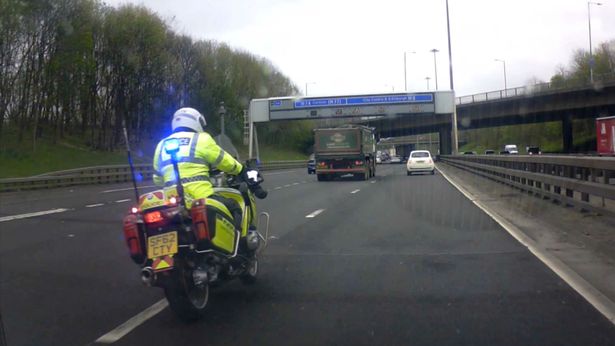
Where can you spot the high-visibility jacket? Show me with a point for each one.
(197, 153)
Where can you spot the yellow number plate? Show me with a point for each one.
(162, 245)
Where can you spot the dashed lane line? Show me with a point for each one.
(128, 188)
(132, 323)
(314, 214)
(28, 215)
(123, 200)
(355, 191)
(94, 205)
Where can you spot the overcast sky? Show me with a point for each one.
(345, 47)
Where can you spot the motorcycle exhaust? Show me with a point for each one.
(147, 276)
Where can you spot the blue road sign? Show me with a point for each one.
(363, 100)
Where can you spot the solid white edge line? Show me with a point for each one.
(132, 323)
(94, 205)
(28, 215)
(314, 214)
(355, 191)
(596, 298)
(122, 200)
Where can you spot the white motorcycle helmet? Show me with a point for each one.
(189, 118)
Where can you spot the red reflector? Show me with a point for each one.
(153, 217)
(131, 235)
(199, 220)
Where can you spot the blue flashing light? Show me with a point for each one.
(171, 146)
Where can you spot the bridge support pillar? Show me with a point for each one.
(567, 133)
(446, 147)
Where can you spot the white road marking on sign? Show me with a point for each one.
(94, 205)
(355, 191)
(314, 214)
(596, 298)
(126, 189)
(38, 213)
(132, 323)
(122, 200)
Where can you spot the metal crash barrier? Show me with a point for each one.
(107, 175)
(580, 181)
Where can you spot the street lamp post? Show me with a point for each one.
(450, 69)
(427, 79)
(405, 74)
(504, 66)
(591, 56)
(306, 87)
(222, 112)
(435, 66)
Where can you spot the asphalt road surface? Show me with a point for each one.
(395, 260)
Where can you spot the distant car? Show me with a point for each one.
(378, 159)
(489, 152)
(420, 161)
(395, 159)
(533, 150)
(469, 153)
(311, 165)
(511, 149)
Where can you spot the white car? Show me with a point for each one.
(395, 159)
(511, 149)
(420, 161)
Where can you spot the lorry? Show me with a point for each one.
(605, 135)
(349, 149)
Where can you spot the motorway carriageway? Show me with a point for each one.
(394, 260)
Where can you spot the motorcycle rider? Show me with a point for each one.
(198, 152)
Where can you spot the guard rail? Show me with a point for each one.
(581, 181)
(107, 175)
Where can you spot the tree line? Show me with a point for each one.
(82, 68)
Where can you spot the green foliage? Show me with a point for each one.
(81, 69)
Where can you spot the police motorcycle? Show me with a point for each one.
(186, 247)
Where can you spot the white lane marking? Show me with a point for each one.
(38, 213)
(303, 182)
(122, 200)
(132, 323)
(285, 172)
(596, 298)
(355, 191)
(277, 187)
(314, 214)
(373, 181)
(128, 188)
(94, 205)
(287, 185)
(295, 184)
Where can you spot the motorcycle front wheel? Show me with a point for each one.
(188, 301)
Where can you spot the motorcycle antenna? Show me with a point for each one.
(132, 168)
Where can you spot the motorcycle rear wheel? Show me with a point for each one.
(188, 301)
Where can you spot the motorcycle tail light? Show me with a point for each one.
(153, 217)
(199, 220)
(133, 236)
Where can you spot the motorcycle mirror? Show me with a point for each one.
(252, 176)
